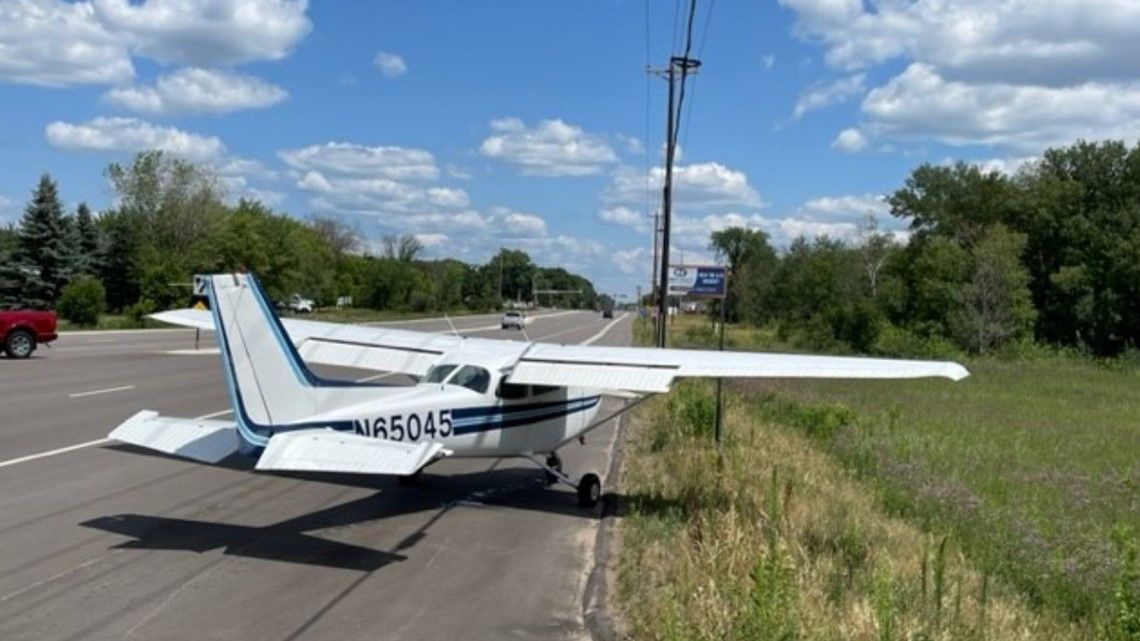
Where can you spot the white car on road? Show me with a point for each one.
(514, 320)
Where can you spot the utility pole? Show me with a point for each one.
(653, 283)
(684, 65)
(500, 278)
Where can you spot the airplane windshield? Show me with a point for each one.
(473, 378)
(438, 373)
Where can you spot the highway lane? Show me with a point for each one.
(107, 543)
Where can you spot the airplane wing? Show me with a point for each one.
(640, 369)
(626, 369)
(375, 348)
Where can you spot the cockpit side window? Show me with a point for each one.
(539, 390)
(511, 392)
(438, 373)
(473, 378)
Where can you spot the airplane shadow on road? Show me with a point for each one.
(290, 541)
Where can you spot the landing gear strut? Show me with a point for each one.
(555, 463)
(589, 488)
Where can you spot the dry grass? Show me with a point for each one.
(769, 538)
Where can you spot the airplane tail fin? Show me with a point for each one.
(268, 383)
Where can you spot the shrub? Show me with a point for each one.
(82, 301)
(136, 314)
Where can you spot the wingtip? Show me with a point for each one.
(956, 372)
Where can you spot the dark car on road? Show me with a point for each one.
(22, 330)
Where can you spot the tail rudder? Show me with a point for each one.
(268, 383)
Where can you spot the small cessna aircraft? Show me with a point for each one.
(475, 397)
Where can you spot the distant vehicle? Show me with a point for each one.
(23, 330)
(608, 312)
(298, 304)
(514, 320)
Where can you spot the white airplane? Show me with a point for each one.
(475, 397)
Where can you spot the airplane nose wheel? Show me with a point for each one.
(589, 490)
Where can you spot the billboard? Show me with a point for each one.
(689, 280)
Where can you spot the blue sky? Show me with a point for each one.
(533, 125)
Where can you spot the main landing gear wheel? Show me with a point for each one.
(555, 462)
(589, 490)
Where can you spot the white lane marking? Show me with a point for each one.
(32, 457)
(597, 337)
(191, 352)
(114, 332)
(121, 388)
(213, 414)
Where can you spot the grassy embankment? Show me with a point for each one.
(984, 509)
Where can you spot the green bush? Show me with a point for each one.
(82, 301)
(902, 343)
(136, 314)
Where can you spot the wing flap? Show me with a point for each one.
(593, 375)
(332, 451)
(199, 440)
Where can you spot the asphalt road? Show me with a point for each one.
(105, 541)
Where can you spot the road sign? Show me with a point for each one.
(708, 281)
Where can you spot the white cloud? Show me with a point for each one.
(826, 94)
(462, 173)
(8, 211)
(518, 224)
(1015, 75)
(705, 184)
(625, 217)
(631, 144)
(393, 163)
(920, 103)
(850, 208)
(432, 240)
(849, 141)
(767, 61)
(131, 135)
(1007, 166)
(390, 64)
(219, 32)
(53, 43)
(195, 90)
(550, 148)
(634, 261)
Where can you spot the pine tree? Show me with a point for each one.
(87, 245)
(41, 264)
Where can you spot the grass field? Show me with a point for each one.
(1026, 470)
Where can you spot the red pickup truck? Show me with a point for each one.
(22, 330)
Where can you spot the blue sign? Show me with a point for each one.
(708, 281)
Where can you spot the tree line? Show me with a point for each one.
(170, 221)
(1049, 255)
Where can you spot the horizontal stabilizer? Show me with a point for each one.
(200, 440)
(333, 451)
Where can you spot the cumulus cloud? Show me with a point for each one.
(825, 94)
(390, 64)
(220, 32)
(849, 141)
(1015, 75)
(58, 43)
(706, 184)
(132, 135)
(550, 148)
(195, 90)
(392, 163)
(625, 217)
(634, 261)
(432, 240)
(518, 224)
(53, 43)
(919, 102)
